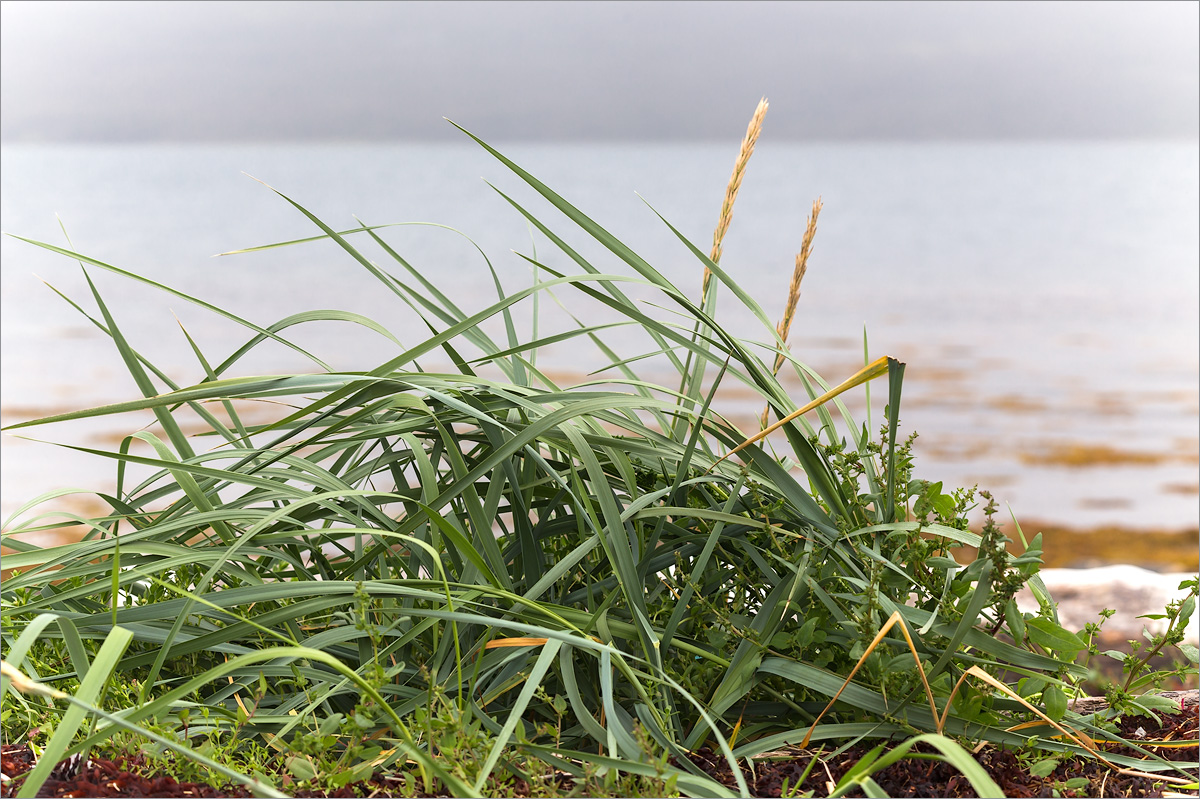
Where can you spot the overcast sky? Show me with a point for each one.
(228, 71)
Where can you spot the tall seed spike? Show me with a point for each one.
(731, 191)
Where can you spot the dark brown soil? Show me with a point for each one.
(131, 775)
(934, 778)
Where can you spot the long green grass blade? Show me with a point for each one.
(90, 687)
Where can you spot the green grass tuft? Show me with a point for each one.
(470, 574)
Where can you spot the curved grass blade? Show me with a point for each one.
(869, 372)
(90, 687)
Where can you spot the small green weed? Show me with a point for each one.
(1137, 694)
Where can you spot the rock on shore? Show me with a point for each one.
(1082, 593)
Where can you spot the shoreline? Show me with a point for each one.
(1064, 547)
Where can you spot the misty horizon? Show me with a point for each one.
(583, 72)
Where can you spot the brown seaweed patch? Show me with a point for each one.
(939, 375)
(56, 526)
(991, 480)
(1186, 489)
(1105, 405)
(1076, 455)
(1075, 548)
(82, 504)
(14, 414)
(958, 350)
(833, 342)
(1016, 403)
(251, 413)
(960, 449)
(1191, 456)
(1105, 503)
(952, 399)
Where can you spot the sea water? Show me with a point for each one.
(1045, 296)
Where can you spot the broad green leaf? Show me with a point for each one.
(1055, 702)
(1053, 637)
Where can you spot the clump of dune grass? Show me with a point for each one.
(453, 572)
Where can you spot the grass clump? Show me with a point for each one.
(471, 576)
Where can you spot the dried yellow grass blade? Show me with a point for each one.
(25, 684)
(1161, 777)
(502, 642)
(1080, 738)
(868, 372)
(237, 696)
(892, 621)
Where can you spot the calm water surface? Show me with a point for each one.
(1044, 296)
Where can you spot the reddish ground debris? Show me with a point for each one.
(934, 778)
(126, 776)
(130, 775)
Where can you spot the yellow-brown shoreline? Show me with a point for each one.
(1080, 548)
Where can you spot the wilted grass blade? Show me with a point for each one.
(869, 372)
(893, 620)
(90, 687)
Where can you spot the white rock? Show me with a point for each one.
(1132, 591)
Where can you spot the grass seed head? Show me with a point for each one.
(793, 299)
(731, 190)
